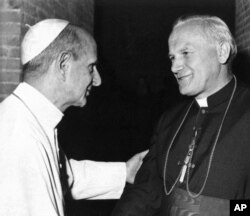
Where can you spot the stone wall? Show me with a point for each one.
(242, 34)
(10, 30)
(242, 24)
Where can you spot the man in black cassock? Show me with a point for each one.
(200, 154)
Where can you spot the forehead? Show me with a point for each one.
(87, 41)
(187, 34)
(89, 54)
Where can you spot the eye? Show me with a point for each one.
(91, 68)
(171, 57)
(186, 53)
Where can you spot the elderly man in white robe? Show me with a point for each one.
(59, 70)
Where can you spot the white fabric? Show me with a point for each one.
(29, 167)
(39, 37)
(202, 102)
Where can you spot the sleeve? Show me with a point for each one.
(143, 198)
(96, 180)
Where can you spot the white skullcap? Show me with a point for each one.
(39, 37)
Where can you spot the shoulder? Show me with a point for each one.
(174, 112)
(242, 93)
(16, 125)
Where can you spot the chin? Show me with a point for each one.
(81, 103)
(186, 91)
(183, 91)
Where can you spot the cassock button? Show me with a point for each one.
(203, 111)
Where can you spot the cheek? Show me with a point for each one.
(84, 82)
(202, 67)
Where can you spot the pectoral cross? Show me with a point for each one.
(187, 161)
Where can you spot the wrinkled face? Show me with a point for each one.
(83, 75)
(194, 60)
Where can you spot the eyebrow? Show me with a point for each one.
(185, 48)
(181, 50)
(170, 55)
(94, 63)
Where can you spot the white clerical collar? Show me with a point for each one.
(202, 102)
(46, 112)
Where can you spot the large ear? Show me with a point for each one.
(223, 52)
(63, 64)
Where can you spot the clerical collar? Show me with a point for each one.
(202, 102)
(218, 97)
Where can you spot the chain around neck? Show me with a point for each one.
(193, 195)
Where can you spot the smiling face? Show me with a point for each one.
(195, 61)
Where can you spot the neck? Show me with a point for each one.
(49, 90)
(221, 82)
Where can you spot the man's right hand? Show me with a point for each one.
(133, 165)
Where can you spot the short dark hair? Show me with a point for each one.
(70, 39)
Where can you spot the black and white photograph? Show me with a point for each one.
(124, 107)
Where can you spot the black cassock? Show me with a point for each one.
(229, 173)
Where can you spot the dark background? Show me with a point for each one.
(137, 84)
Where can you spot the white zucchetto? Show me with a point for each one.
(39, 37)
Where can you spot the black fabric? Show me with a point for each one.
(179, 203)
(229, 174)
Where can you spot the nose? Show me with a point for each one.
(177, 65)
(97, 81)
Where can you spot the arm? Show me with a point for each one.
(96, 180)
(144, 197)
(102, 180)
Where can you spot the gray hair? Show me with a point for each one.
(72, 39)
(213, 27)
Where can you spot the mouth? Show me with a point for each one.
(183, 78)
(88, 91)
